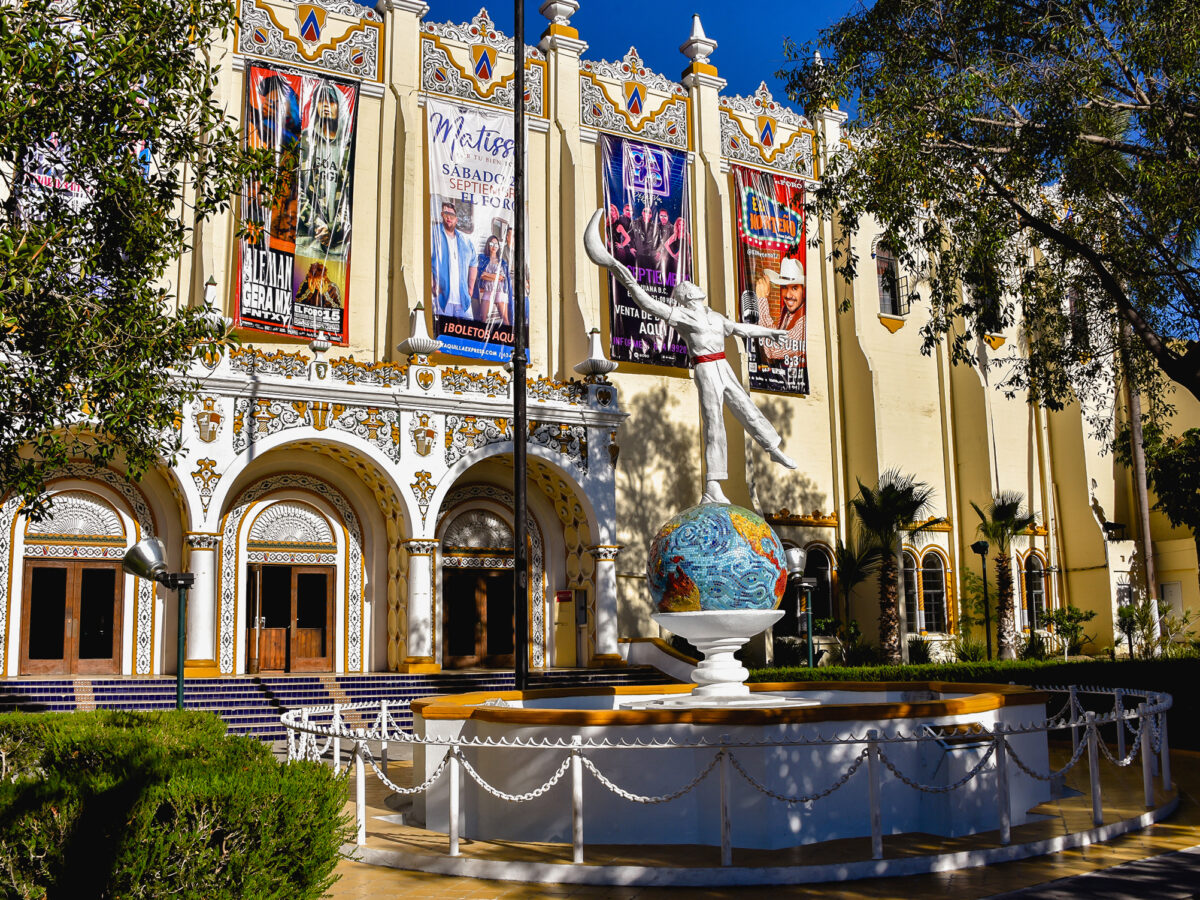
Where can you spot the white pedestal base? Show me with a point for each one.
(718, 634)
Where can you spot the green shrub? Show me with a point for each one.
(141, 805)
(1034, 647)
(920, 651)
(1171, 676)
(968, 649)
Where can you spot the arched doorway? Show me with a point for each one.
(477, 591)
(290, 574)
(73, 589)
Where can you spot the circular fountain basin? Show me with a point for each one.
(789, 750)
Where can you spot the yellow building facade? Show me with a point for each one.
(348, 508)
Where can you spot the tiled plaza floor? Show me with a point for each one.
(1122, 798)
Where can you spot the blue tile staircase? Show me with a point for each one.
(252, 704)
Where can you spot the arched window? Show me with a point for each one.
(817, 566)
(933, 592)
(1035, 591)
(887, 269)
(912, 597)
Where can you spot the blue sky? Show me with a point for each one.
(749, 36)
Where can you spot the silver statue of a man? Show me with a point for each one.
(704, 330)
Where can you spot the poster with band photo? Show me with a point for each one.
(649, 229)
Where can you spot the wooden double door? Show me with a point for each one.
(477, 618)
(71, 618)
(290, 618)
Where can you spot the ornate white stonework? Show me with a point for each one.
(440, 74)
(337, 36)
(667, 124)
(630, 67)
(288, 522)
(762, 132)
(77, 514)
(480, 30)
(478, 529)
(255, 419)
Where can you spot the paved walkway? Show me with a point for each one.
(1143, 865)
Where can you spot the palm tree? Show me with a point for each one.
(855, 563)
(897, 502)
(1006, 517)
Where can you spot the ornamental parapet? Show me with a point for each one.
(415, 416)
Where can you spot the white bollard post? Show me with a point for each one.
(1094, 770)
(1120, 710)
(360, 794)
(1074, 728)
(304, 735)
(577, 800)
(873, 776)
(1162, 750)
(726, 836)
(453, 811)
(1147, 756)
(336, 724)
(1002, 798)
(383, 733)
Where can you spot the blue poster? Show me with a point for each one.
(649, 229)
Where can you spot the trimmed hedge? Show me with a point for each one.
(156, 804)
(1171, 676)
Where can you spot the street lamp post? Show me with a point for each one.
(520, 429)
(147, 559)
(981, 547)
(796, 557)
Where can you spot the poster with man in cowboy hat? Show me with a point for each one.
(771, 263)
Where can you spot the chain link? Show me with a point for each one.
(858, 761)
(641, 798)
(1136, 745)
(933, 788)
(515, 798)
(1053, 775)
(409, 791)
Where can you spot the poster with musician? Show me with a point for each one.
(295, 248)
(771, 272)
(649, 229)
(472, 169)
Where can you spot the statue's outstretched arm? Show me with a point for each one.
(746, 330)
(598, 253)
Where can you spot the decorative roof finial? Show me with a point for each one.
(559, 12)
(699, 45)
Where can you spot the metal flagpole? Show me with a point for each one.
(520, 430)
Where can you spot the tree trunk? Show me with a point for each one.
(1006, 626)
(889, 618)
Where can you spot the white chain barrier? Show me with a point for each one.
(641, 798)
(808, 798)
(1148, 737)
(937, 788)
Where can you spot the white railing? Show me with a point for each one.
(1146, 722)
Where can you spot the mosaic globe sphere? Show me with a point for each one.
(716, 557)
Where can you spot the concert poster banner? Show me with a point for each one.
(294, 255)
(472, 168)
(649, 229)
(771, 276)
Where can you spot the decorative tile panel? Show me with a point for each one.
(337, 36)
(759, 131)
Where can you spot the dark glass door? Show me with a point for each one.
(290, 618)
(71, 618)
(477, 618)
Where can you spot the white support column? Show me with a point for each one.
(420, 656)
(201, 656)
(605, 626)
